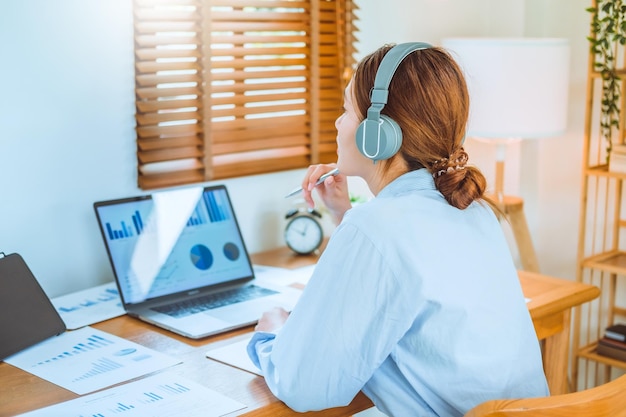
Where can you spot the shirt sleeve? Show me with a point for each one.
(257, 344)
(351, 314)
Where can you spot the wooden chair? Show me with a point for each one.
(608, 400)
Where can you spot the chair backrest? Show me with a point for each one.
(607, 400)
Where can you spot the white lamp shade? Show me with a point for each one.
(518, 86)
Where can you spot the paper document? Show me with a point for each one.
(235, 354)
(274, 275)
(160, 395)
(89, 306)
(303, 274)
(284, 276)
(89, 359)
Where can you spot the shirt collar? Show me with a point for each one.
(420, 179)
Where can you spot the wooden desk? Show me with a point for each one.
(550, 306)
(551, 301)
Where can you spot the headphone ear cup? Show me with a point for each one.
(390, 138)
(379, 136)
(362, 141)
(379, 140)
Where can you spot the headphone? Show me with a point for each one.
(378, 136)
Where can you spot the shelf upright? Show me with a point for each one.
(601, 259)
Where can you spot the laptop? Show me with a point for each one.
(180, 262)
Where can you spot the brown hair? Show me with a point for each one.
(428, 98)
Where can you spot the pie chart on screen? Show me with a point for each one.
(201, 257)
(231, 251)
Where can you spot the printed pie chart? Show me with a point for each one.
(201, 257)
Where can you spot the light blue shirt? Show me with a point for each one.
(414, 302)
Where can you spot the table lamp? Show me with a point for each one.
(518, 90)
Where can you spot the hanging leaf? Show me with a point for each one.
(608, 24)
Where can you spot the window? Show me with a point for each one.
(226, 88)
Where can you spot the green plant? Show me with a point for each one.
(357, 199)
(608, 28)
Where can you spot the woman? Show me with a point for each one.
(416, 300)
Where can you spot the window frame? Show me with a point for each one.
(197, 66)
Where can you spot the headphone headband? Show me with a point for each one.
(388, 66)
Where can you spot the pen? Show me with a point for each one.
(321, 180)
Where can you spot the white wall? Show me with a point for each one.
(67, 127)
(546, 173)
(552, 168)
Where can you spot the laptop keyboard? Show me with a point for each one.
(211, 301)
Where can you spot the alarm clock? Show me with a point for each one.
(303, 232)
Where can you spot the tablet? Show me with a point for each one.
(27, 316)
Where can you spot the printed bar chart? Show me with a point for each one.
(89, 306)
(161, 395)
(88, 359)
(124, 407)
(99, 366)
(175, 389)
(152, 397)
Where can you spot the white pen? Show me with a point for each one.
(321, 180)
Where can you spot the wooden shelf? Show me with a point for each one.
(602, 227)
(596, 74)
(603, 171)
(590, 352)
(612, 261)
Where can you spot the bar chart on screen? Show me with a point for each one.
(88, 359)
(160, 395)
(125, 229)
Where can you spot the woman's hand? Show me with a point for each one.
(333, 191)
(272, 320)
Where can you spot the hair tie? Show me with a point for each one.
(449, 169)
(455, 162)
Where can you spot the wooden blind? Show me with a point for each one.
(226, 88)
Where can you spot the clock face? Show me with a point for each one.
(303, 234)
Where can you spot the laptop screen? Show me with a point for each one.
(173, 241)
